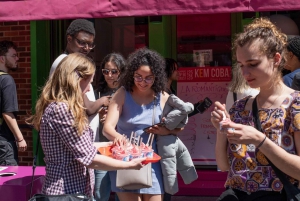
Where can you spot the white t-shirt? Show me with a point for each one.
(56, 62)
(93, 119)
(247, 92)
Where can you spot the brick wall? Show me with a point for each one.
(19, 32)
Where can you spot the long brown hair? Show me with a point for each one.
(64, 86)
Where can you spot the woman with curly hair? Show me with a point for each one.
(66, 138)
(242, 148)
(135, 105)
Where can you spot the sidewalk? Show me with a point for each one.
(193, 198)
(182, 198)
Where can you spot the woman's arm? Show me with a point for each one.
(101, 162)
(286, 162)
(162, 130)
(113, 114)
(221, 151)
(102, 144)
(94, 106)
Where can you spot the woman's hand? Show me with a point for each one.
(160, 130)
(217, 114)
(105, 100)
(119, 141)
(102, 114)
(242, 134)
(136, 163)
(22, 145)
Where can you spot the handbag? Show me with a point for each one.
(64, 197)
(136, 179)
(42, 197)
(292, 192)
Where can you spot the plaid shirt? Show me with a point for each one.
(66, 153)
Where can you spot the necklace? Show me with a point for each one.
(258, 101)
(113, 91)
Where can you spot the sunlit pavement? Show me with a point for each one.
(193, 198)
(182, 198)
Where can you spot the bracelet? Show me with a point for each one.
(258, 146)
(20, 140)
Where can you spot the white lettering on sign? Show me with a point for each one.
(219, 72)
(213, 72)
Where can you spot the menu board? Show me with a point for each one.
(194, 84)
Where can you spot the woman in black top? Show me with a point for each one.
(111, 68)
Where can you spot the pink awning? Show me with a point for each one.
(15, 10)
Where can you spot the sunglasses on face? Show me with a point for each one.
(107, 71)
(148, 80)
(81, 43)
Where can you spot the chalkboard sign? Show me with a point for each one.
(194, 84)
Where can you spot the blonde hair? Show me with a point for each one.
(238, 84)
(272, 40)
(64, 86)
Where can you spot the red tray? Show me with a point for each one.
(107, 152)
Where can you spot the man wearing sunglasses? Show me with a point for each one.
(11, 138)
(80, 38)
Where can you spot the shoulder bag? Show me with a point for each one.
(42, 197)
(64, 197)
(292, 192)
(136, 179)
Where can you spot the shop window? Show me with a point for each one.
(204, 40)
(121, 35)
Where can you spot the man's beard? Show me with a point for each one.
(11, 66)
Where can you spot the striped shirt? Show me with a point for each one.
(66, 153)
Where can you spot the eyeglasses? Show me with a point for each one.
(13, 56)
(107, 71)
(85, 44)
(148, 80)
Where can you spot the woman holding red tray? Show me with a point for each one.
(66, 138)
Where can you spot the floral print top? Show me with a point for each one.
(249, 169)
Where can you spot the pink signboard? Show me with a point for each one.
(195, 84)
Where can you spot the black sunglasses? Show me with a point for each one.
(113, 71)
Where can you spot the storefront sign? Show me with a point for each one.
(194, 84)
